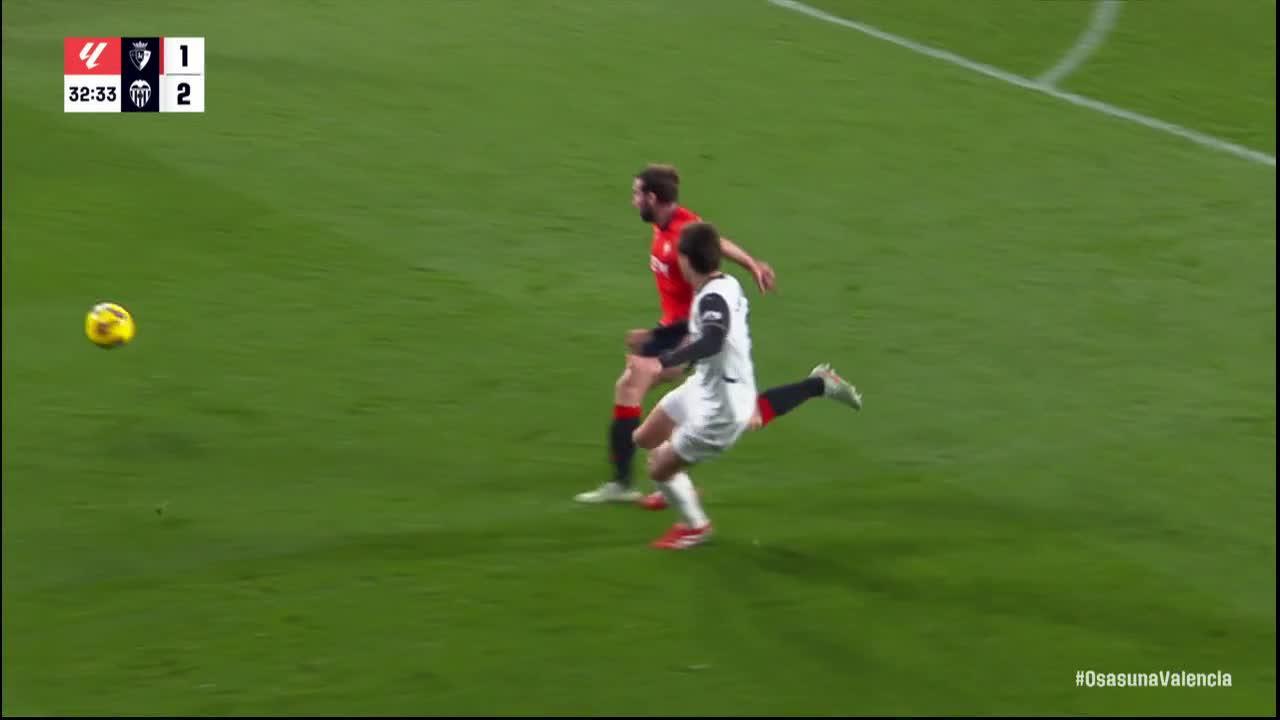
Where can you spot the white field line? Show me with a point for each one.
(1198, 138)
(1104, 18)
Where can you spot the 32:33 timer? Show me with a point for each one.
(84, 93)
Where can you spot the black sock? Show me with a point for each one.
(622, 448)
(781, 400)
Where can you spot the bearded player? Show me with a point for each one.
(655, 194)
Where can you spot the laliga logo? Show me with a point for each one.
(90, 54)
(139, 55)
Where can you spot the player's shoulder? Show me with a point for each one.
(680, 217)
(725, 286)
(684, 216)
(726, 280)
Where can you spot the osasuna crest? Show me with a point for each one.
(140, 92)
(139, 54)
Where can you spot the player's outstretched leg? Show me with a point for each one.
(667, 469)
(822, 381)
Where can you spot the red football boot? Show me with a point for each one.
(682, 537)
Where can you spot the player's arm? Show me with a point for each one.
(758, 269)
(713, 312)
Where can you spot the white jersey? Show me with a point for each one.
(723, 386)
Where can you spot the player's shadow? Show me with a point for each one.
(764, 583)
(852, 567)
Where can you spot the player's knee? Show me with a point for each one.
(631, 387)
(627, 391)
(644, 438)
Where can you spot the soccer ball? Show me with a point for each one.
(109, 325)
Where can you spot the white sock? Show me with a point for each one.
(680, 493)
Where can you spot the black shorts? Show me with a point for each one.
(664, 338)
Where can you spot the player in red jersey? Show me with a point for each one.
(655, 193)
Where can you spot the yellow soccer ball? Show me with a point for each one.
(109, 325)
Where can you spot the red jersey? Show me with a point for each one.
(674, 290)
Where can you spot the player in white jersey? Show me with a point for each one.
(715, 405)
(709, 412)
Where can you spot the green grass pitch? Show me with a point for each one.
(381, 286)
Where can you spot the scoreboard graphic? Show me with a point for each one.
(133, 74)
